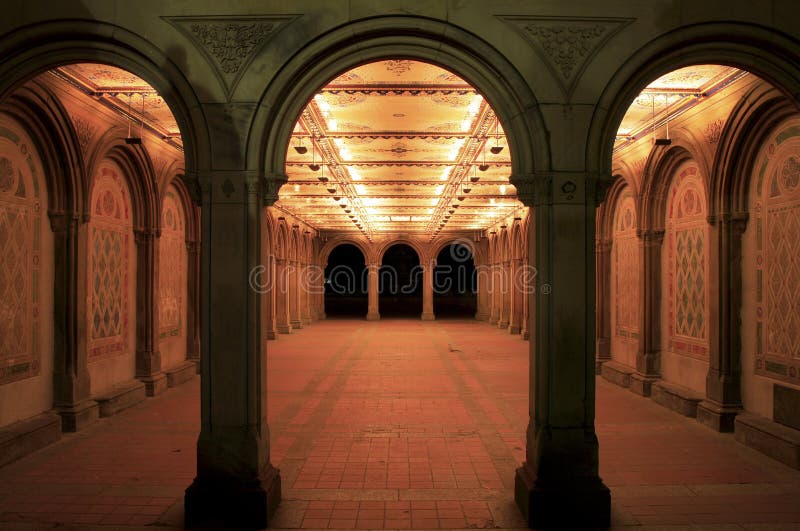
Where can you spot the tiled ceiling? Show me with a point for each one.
(398, 146)
(669, 96)
(125, 93)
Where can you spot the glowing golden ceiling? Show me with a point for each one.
(125, 93)
(398, 146)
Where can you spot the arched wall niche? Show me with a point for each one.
(27, 326)
(737, 44)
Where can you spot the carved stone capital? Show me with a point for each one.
(271, 185)
(144, 236)
(64, 221)
(532, 189)
(651, 236)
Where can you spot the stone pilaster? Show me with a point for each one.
(373, 310)
(603, 302)
(295, 319)
(236, 486)
(427, 291)
(483, 280)
(71, 383)
(558, 485)
(305, 290)
(148, 357)
(495, 293)
(282, 320)
(724, 380)
(648, 354)
(505, 295)
(270, 327)
(193, 303)
(516, 294)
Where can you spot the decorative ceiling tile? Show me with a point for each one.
(566, 44)
(229, 44)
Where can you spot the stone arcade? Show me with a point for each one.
(625, 178)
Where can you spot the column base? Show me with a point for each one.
(306, 321)
(155, 384)
(296, 325)
(502, 324)
(284, 329)
(555, 506)
(494, 320)
(428, 317)
(717, 417)
(232, 504)
(373, 316)
(513, 329)
(272, 334)
(525, 335)
(642, 385)
(75, 417)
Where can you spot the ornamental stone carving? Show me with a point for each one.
(230, 43)
(566, 44)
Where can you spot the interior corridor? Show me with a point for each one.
(398, 424)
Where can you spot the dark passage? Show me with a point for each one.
(346, 283)
(400, 283)
(455, 283)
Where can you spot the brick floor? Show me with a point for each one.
(398, 425)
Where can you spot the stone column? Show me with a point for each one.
(373, 311)
(558, 485)
(148, 357)
(270, 326)
(321, 294)
(295, 318)
(236, 486)
(505, 295)
(282, 320)
(304, 289)
(724, 380)
(427, 291)
(603, 302)
(483, 280)
(71, 384)
(515, 292)
(648, 355)
(495, 293)
(193, 303)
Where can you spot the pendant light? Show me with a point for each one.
(134, 140)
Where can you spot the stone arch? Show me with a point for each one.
(35, 48)
(439, 245)
(606, 211)
(137, 168)
(738, 44)
(189, 208)
(658, 173)
(751, 121)
(47, 121)
(411, 37)
(281, 242)
(330, 245)
(381, 251)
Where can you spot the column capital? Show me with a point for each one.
(63, 221)
(145, 235)
(737, 221)
(271, 184)
(651, 235)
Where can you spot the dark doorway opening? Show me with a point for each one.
(400, 282)
(455, 289)
(346, 283)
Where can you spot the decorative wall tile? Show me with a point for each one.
(687, 241)
(627, 263)
(20, 248)
(776, 206)
(172, 270)
(109, 267)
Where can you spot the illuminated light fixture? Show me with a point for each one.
(503, 189)
(297, 188)
(322, 179)
(333, 125)
(354, 174)
(347, 210)
(451, 211)
(660, 141)
(352, 216)
(332, 190)
(300, 148)
(313, 166)
(343, 205)
(455, 205)
(484, 166)
(321, 103)
(445, 173)
(496, 148)
(492, 200)
(134, 140)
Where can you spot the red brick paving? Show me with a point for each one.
(398, 425)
